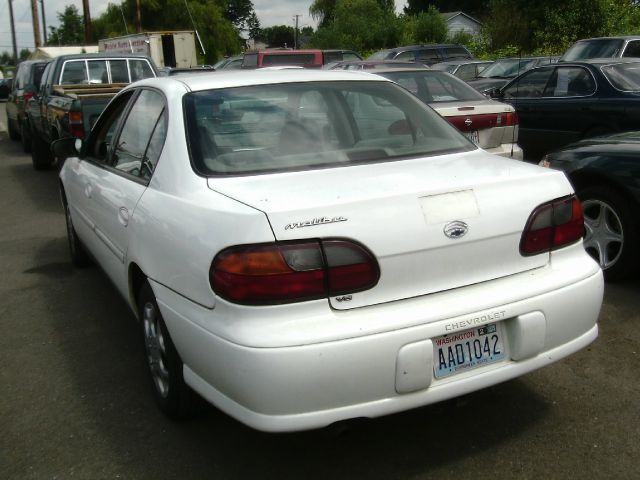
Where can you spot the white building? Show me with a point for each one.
(461, 22)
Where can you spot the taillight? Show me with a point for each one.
(271, 274)
(27, 96)
(76, 125)
(553, 225)
(509, 119)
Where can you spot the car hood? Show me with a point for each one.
(400, 211)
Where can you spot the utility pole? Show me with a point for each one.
(138, 19)
(88, 37)
(44, 23)
(36, 23)
(295, 32)
(13, 34)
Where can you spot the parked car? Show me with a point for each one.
(25, 86)
(463, 69)
(499, 73)
(284, 57)
(425, 54)
(73, 92)
(603, 47)
(5, 87)
(605, 172)
(562, 103)
(339, 55)
(374, 65)
(489, 124)
(303, 247)
(229, 63)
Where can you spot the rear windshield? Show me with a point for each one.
(294, 59)
(598, 48)
(381, 55)
(434, 87)
(83, 72)
(623, 76)
(298, 126)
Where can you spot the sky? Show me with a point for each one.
(270, 12)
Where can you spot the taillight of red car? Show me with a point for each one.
(553, 225)
(279, 273)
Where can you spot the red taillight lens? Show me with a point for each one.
(509, 119)
(292, 272)
(27, 96)
(76, 124)
(553, 225)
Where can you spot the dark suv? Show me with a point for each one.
(425, 54)
(25, 86)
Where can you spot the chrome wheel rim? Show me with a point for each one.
(155, 348)
(604, 236)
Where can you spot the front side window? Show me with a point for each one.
(297, 126)
(530, 85)
(131, 149)
(101, 141)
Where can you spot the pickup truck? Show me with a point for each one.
(74, 91)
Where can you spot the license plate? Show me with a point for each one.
(473, 136)
(462, 351)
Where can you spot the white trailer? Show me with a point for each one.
(167, 49)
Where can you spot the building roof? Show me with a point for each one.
(451, 15)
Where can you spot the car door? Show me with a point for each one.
(525, 94)
(120, 161)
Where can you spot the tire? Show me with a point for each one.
(79, 256)
(41, 156)
(611, 231)
(173, 396)
(25, 137)
(13, 131)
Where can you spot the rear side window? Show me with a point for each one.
(429, 55)
(456, 52)
(299, 126)
(570, 82)
(250, 60)
(632, 49)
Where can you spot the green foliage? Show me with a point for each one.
(278, 36)
(425, 27)
(359, 25)
(71, 29)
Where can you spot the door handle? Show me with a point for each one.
(88, 188)
(123, 216)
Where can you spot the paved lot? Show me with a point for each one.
(75, 402)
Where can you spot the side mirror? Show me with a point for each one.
(495, 92)
(67, 147)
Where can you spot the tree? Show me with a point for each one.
(71, 28)
(278, 36)
(361, 25)
(425, 27)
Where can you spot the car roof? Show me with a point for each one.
(619, 37)
(235, 78)
(99, 56)
(427, 45)
(464, 61)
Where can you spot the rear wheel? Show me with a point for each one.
(611, 231)
(41, 156)
(172, 394)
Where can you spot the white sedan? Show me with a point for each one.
(304, 247)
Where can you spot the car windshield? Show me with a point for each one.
(623, 76)
(508, 68)
(597, 48)
(434, 87)
(297, 126)
(380, 55)
(445, 67)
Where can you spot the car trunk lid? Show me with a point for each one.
(401, 211)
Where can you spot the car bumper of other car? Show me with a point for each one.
(544, 315)
(509, 150)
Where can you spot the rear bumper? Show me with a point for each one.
(303, 386)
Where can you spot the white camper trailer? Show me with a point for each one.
(175, 49)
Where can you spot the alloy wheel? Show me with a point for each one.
(604, 238)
